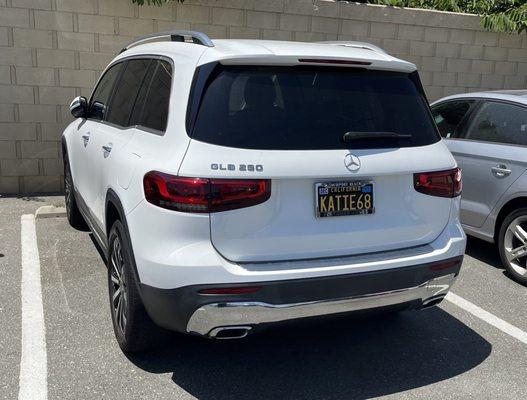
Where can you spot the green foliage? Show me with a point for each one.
(513, 19)
(497, 15)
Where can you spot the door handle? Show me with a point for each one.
(86, 138)
(500, 171)
(107, 149)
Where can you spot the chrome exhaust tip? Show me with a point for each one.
(229, 332)
(433, 301)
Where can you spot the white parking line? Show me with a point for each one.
(33, 383)
(489, 318)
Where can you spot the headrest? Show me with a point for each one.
(259, 92)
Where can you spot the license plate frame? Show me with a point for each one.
(351, 187)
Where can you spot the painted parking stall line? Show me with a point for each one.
(487, 317)
(33, 363)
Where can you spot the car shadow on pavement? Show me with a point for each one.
(353, 357)
(487, 253)
(483, 251)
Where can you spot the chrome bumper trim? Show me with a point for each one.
(226, 314)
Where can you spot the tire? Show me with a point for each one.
(133, 328)
(513, 236)
(75, 218)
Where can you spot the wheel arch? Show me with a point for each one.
(506, 209)
(113, 211)
(64, 147)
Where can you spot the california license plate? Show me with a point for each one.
(335, 199)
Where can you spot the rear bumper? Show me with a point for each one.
(186, 310)
(174, 250)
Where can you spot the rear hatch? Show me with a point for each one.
(340, 147)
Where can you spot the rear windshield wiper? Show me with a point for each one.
(351, 136)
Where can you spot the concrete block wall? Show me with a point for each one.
(54, 50)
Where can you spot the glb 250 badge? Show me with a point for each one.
(239, 167)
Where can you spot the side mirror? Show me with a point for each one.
(79, 107)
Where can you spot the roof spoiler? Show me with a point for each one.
(175, 35)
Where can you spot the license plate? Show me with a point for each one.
(336, 199)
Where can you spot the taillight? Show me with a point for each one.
(203, 195)
(439, 183)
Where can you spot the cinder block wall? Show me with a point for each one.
(54, 50)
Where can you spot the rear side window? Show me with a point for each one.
(135, 117)
(448, 116)
(308, 108)
(499, 122)
(101, 94)
(157, 97)
(126, 92)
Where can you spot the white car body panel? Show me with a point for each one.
(183, 254)
(285, 226)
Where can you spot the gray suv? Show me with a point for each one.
(487, 134)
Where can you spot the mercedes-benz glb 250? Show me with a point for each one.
(235, 183)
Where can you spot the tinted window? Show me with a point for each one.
(448, 116)
(101, 95)
(499, 122)
(155, 108)
(135, 117)
(289, 108)
(126, 92)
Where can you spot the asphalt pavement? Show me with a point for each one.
(442, 353)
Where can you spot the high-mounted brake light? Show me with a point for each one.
(203, 195)
(439, 183)
(330, 61)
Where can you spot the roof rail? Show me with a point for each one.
(361, 45)
(175, 35)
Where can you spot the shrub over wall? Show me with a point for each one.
(497, 15)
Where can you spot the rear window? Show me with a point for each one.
(305, 108)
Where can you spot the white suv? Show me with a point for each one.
(233, 183)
